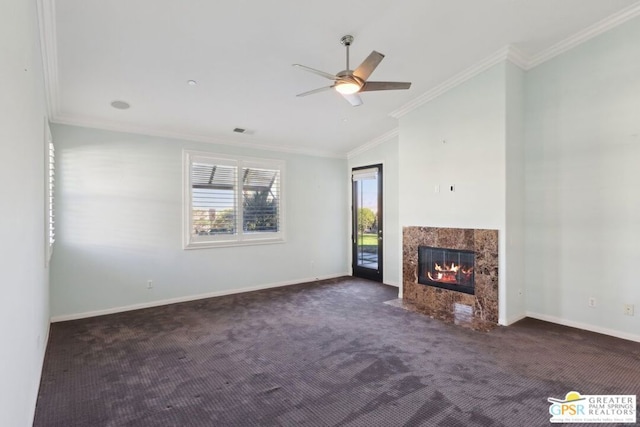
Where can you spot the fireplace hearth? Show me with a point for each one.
(446, 268)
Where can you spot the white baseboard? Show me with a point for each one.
(585, 326)
(84, 315)
(514, 319)
(395, 285)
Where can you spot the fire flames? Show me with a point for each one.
(449, 273)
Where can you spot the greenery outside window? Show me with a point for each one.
(232, 201)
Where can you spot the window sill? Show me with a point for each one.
(209, 244)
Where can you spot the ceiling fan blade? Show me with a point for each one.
(314, 71)
(311, 92)
(365, 69)
(371, 86)
(354, 99)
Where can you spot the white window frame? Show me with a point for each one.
(49, 183)
(239, 238)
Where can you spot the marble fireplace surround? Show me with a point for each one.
(479, 311)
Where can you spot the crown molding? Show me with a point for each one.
(374, 142)
(517, 57)
(588, 33)
(49, 51)
(520, 59)
(506, 53)
(191, 137)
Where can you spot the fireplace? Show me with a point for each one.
(445, 268)
(468, 298)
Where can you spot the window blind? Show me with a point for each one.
(363, 174)
(260, 200)
(233, 200)
(213, 198)
(50, 194)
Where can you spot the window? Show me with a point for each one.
(50, 157)
(232, 201)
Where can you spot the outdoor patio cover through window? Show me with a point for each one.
(233, 200)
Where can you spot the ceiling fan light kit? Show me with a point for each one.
(347, 88)
(349, 83)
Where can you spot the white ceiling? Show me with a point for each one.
(240, 52)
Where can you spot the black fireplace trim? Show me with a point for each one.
(423, 280)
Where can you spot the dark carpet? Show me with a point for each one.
(328, 353)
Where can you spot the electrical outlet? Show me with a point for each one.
(592, 302)
(149, 284)
(628, 309)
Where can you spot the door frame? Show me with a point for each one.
(359, 271)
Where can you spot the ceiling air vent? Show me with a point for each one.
(120, 105)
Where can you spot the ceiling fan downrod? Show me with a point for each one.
(346, 42)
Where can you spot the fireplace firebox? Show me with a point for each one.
(451, 269)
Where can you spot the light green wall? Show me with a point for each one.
(24, 304)
(582, 179)
(550, 158)
(119, 198)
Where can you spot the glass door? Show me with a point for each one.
(367, 222)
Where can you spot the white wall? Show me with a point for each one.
(582, 182)
(387, 154)
(24, 313)
(458, 139)
(120, 210)
(470, 118)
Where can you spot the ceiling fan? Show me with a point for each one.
(349, 83)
